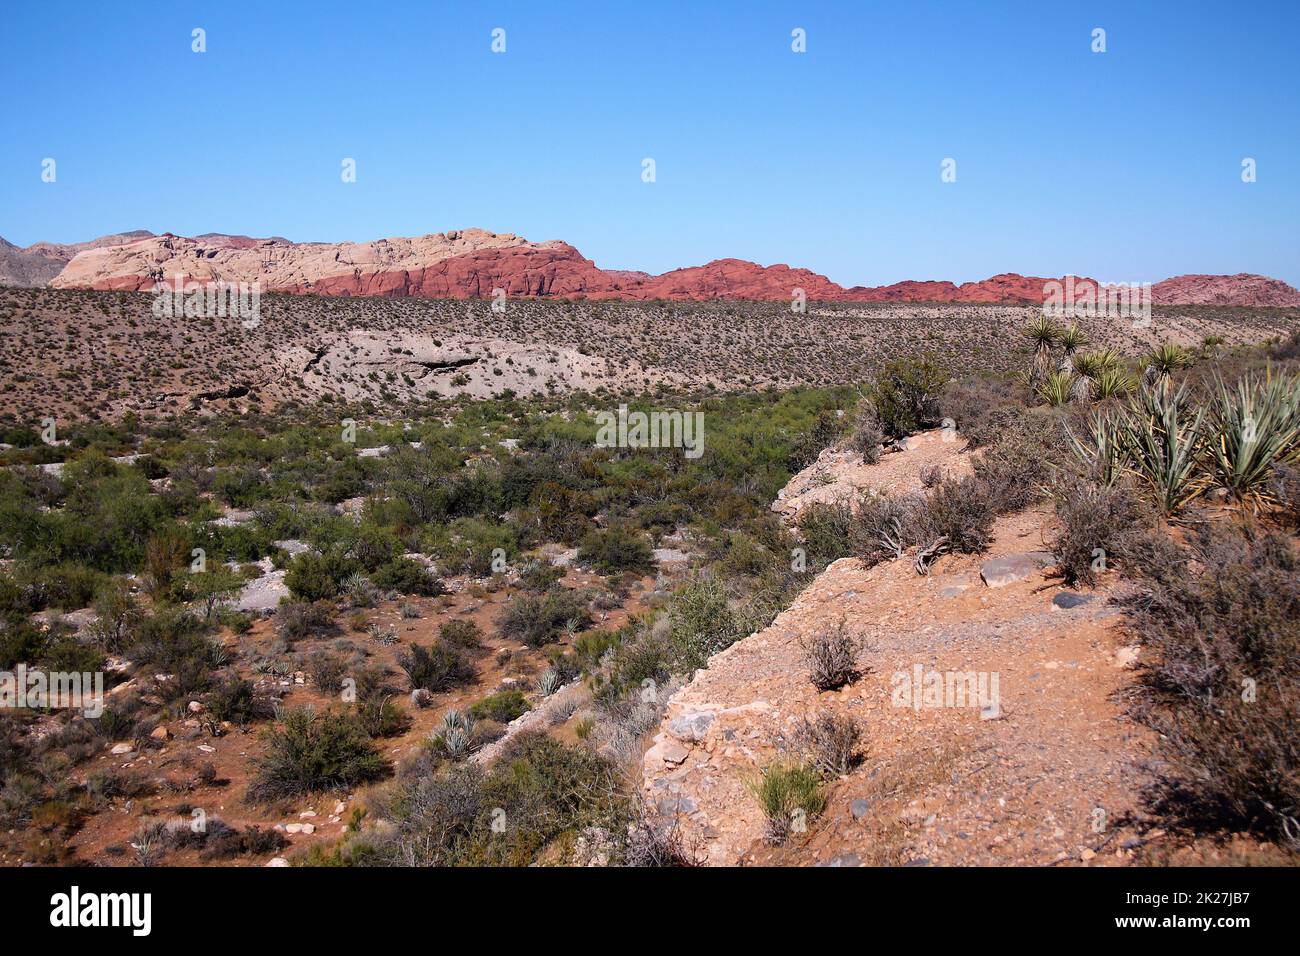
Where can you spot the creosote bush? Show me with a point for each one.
(310, 752)
(435, 668)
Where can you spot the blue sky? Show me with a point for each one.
(1124, 165)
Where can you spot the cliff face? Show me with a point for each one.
(471, 263)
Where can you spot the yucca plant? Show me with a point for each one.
(1071, 340)
(1254, 424)
(1107, 358)
(1086, 368)
(1111, 382)
(1165, 444)
(1103, 450)
(1162, 361)
(549, 682)
(1056, 388)
(1044, 334)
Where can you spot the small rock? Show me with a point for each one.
(673, 752)
(860, 808)
(999, 572)
(691, 727)
(120, 749)
(1068, 599)
(159, 733)
(196, 707)
(1087, 854)
(294, 827)
(277, 861)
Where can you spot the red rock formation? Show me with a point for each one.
(472, 263)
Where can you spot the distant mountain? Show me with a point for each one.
(40, 262)
(471, 263)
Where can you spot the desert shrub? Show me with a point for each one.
(960, 511)
(830, 742)
(788, 793)
(326, 671)
(882, 527)
(906, 396)
(539, 620)
(407, 576)
(827, 532)
(1223, 684)
(307, 752)
(316, 577)
(539, 576)
(20, 641)
(636, 661)
(539, 788)
(435, 668)
(1020, 467)
(379, 716)
(230, 843)
(1285, 490)
(866, 435)
(234, 699)
(460, 633)
(69, 655)
(174, 642)
(1097, 525)
(701, 623)
(811, 443)
(300, 619)
(69, 587)
(117, 614)
(982, 409)
(614, 549)
(831, 657)
(502, 707)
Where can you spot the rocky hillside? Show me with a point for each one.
(1016, 781)
(36, 265)
(471, 263)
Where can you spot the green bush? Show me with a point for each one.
(539, 620)
(307, 752)
(503, 706)
(317, 577)
(435, 668)
(787, 793)
(616, 549)
(407, 576)
(701, 623)
(906, 396)
(461, 633)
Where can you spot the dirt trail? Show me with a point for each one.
(1049, 775)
